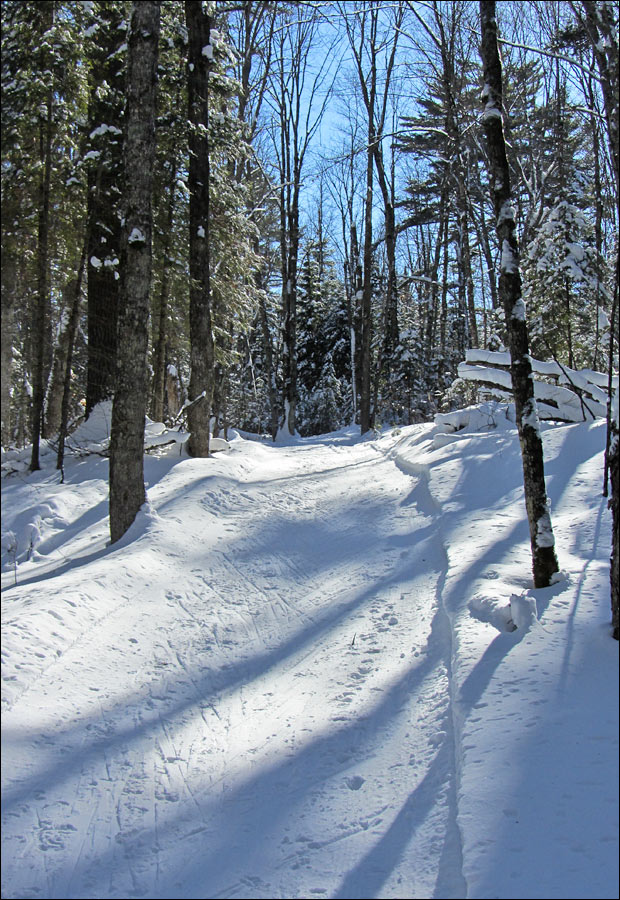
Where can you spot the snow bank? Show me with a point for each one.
(313, 670)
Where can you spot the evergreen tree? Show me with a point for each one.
(564, 287)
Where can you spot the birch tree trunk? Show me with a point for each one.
(544, 561)
(127, 492)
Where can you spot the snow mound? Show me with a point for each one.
(493, 610)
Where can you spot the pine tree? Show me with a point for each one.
(564, 280)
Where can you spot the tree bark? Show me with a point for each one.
(161, 347)
(366, 305)
(104, 197)
(43, 300)
(42, 306)
(614, 504)
(270, 374)
(59, 364)
(202, 355)
(9, 274)
(127, 492)
(603, 36)
(74, 317)
(544, 561)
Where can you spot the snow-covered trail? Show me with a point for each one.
(252, 695)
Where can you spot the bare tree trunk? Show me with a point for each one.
(613, 458)
(74, 317)
(367, 40)
(366, 308)
(42, 307)
(612, 472)
(7, 336)
(270, 373)
(355, 324)
(201, 334)
(104, 197)
(127, 493)
(544, 561)
(295, 91)
(391, 333)
(161, 347)
(603, 36)
(53, 405)
(443, 315)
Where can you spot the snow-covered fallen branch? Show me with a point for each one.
(565, 395)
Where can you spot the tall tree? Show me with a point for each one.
(46, 130)
(43, 111)
(296, 96)
(544, 560)
(376, 46)
(169, 206)
(200, 317)
(127, 491)
(105, 160)
(362, 33)
(600, 22)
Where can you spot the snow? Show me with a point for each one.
(530, 417)
(506, 213)
(509, 265)
(555, 401)
(491, 112)
(518, 307)
(136, 236)
(315, 669)
(544, 531)
(104, 129)
(603, 320)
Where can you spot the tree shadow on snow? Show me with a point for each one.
(216, 827)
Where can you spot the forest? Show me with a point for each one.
(280, 215)
(301, 301)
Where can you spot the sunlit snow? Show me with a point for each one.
(316, 669)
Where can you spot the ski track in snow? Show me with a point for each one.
(191, 753)
(293, 677)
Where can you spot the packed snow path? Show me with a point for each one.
(240, 715)
(298, 673)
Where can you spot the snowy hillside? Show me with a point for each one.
(314, 670)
